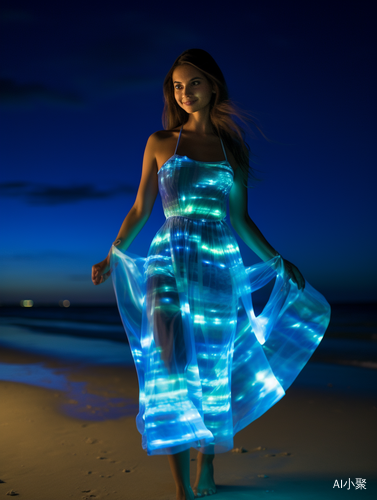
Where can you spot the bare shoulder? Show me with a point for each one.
(162, 145)
(161, 136)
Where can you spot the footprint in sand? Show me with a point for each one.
(129, 470)
(90, 440)
(87, 496)
(281, 454)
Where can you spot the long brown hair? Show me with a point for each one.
(221, 108)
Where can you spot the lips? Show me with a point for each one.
(188, 103)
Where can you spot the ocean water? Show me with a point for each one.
(95, 335)
(74, 338)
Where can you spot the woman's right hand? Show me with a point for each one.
(101, 271)
(294, 274)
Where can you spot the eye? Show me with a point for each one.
(195, 83)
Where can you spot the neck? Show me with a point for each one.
(200, 123)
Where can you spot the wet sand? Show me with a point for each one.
(81, 441)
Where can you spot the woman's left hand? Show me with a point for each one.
(294, 274)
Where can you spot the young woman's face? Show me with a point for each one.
(192, 89)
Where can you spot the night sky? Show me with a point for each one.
(81, 91)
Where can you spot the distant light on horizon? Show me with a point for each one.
(26, 303)
(64, 303)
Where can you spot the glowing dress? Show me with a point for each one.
(207, 366)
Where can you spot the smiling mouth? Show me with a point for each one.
(188, 103)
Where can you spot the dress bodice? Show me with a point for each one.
(195, 189)
(198, 190)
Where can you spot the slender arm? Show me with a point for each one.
(132, 225)
(250, 233)
(139, 213)
(254, 239)
(145, 198)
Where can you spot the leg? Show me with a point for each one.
(204, 483)
(180, 467)
(164, 313)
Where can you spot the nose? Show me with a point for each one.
(186, 92)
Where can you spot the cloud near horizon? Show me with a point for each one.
(37, 195)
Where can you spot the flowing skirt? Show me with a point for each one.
(207, 365)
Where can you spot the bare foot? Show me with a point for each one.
(205, 483)
(185, 494)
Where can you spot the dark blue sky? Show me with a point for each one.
(81, 91)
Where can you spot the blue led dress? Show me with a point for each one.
(207, 366)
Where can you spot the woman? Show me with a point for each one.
(207, 366)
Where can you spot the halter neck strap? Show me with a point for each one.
(176, 147)
(222, 144)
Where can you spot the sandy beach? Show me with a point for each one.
(81, 441)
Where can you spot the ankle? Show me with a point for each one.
(184, 492)
(182, 488)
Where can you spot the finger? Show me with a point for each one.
(302, 282)
(298, 279)
(97, 279)
(295, 277)
(105, 276)
(291, 274)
